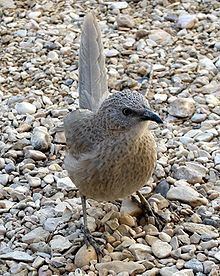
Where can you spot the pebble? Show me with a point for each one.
(184, 272)
(40, 139)
(186, 21)
(161, 249)
(25, 108)
(36, 235)
(124, 21)
(84, 256)
(195, 265)
(4, 179)
(119, 5)
(140, 251)
(10, 4)
(65, 183)
(59, 243)
(187, 195)
(111, 53)
(120, 266)
(161, 37)
(18, 256)
(128, 207)
(168, 271)
(35, 155)
(201, 229)
(182, 107)
(190, 175)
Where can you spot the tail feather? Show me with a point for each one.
(93, 87)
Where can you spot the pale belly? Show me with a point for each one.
(122, 172)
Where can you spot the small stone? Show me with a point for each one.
(188, 195)
(217, 159)
(164, 237)
(217, 256)
(209, 244)
(160, 98)
(2, 230)
(120, 266)
(160, 37)
(34, 14)
(128, 207)
(111, 53)
(168, 271)
(207, 64)
(10, 167)
(2, 163)
(38, 262)
(84, 256)
(51, 224)
(53, 56)
(127, 220)
(129, 42)
(5, 205)
(35, 155)
(119, 5)
(7, 4)
(184, 272)
(36, 235)
(59, 243)
(34, 181)
(195, 238)
(161, 249)
(182, 107)
(190, 175)
(113, 223)
(124, 21)
(186, 21)
(40, 138)
(21, 33)
(65, 183)
(140, 251)
(60, 138)
(195, 265)
(4, 179)
(204, 137)
(49, 179)
(162, 188)
(201, 229)
(141, 33)
(25, 108)
(18, 256)
(198, 118)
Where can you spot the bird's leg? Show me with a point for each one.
(89, 239)
(145, 206)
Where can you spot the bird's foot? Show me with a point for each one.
(148, 210)
(90, 240)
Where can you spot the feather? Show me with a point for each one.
(93, 87)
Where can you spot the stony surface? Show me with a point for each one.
(176, 45)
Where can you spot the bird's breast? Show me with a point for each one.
(121, 168)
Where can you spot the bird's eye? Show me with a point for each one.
(127, 111)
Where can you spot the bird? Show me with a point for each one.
(111, 152)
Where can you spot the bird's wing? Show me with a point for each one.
(93, 87)
(78, 141)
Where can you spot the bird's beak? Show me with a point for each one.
(148, 115)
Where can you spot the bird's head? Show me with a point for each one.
(126, 110)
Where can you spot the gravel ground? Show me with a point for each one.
(40, 208)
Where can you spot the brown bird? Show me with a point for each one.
(111, 152)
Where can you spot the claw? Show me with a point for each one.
(146, 207)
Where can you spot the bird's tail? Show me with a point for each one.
(93, 88)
